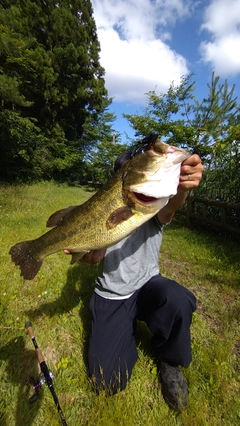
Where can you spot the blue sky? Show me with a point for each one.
(147, 44)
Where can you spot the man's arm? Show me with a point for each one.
(190, 177)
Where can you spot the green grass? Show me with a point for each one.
(56, 302)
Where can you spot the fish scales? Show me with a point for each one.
(109, 215)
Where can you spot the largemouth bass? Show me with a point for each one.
(133, 195)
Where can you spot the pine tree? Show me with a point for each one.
(51, 75)
(69, 81)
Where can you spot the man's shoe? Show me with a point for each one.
(174, 386)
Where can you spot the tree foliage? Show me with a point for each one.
(51, 83)
(99, 160)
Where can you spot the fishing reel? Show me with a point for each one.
(36, 385)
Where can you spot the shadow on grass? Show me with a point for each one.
(21, 364)
(77, 290)
(78, 287)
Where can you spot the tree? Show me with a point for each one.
(166, 114)
(49, 56)
(181, 119)
(69, 80)
(99, 160)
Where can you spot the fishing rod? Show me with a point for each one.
(46, 375)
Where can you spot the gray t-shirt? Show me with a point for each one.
(129, 264)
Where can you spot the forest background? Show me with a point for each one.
(54, 117)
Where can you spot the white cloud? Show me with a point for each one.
(138, 18)
(222, 21)
(134, 67)
(135, 57)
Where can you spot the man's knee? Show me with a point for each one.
(160, 292)
(180, 298)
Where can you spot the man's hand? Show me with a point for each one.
(190, 177)
(92, 257)
(191, 173)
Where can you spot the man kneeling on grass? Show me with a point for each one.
(129, 288)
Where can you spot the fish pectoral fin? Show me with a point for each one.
(77, 256)
(119, 216)
(56, 218)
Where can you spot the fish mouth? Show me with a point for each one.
(144, 198)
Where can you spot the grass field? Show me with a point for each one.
(56, 302)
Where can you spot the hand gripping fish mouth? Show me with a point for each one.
(134, 194)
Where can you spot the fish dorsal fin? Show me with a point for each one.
(56, 218)
(118, 216)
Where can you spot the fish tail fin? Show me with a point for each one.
(22, 256)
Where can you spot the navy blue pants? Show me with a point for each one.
(164, 305)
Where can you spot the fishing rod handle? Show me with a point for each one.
(29, 331)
